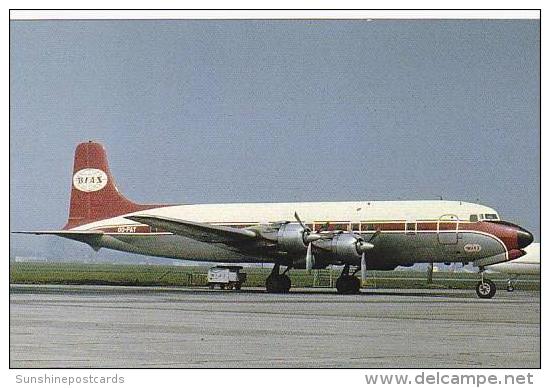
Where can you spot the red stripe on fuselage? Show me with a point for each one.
(506, 233)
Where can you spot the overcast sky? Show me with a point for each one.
(253, 111)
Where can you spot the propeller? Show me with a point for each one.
(362, 247)
(360, 244)
(309, 237)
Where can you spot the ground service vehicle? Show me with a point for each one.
(226, 276)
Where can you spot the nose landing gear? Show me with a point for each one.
(485, 288)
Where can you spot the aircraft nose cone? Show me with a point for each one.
(524, 238)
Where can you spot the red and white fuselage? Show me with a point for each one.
(400, 232)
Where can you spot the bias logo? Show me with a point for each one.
(89, 179)
(472, 248)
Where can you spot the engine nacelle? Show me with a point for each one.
(290, 238)
(344, 247)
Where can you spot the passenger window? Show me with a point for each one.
(410, 227)
(473, 218)
(367, 227)
(355, 227)
(339, 226)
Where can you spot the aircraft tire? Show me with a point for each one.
(486, 289)
(277, 284)
(348, 285)
(355, 285)
(285, 283)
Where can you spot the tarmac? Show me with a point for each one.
(151, 327)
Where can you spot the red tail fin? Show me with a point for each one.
(94, 195)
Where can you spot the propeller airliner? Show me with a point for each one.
(360, 235)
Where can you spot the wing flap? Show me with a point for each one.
(196, 230)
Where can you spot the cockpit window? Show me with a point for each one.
(473, 218)
(491, 217)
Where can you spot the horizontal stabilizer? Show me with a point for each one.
(195, 230)
(90, 237)
(62, 233)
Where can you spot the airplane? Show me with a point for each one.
(360, 235)
(529, 264)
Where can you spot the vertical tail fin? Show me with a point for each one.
(94, 195)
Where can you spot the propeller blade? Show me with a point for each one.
(310, 260)
(300, 221)
(363, 268)
(374, 235)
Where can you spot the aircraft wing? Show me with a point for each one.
(196, 230)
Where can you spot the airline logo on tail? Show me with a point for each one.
(89, 179)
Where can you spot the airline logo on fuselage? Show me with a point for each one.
(89, 179)
(472, 248)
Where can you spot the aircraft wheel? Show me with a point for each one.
(285, 283)
(355, 284)
(486, 289)
(277, 284)
(348, 285)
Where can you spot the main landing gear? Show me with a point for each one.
(485, 288)
(277, 283)
(346, 283)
